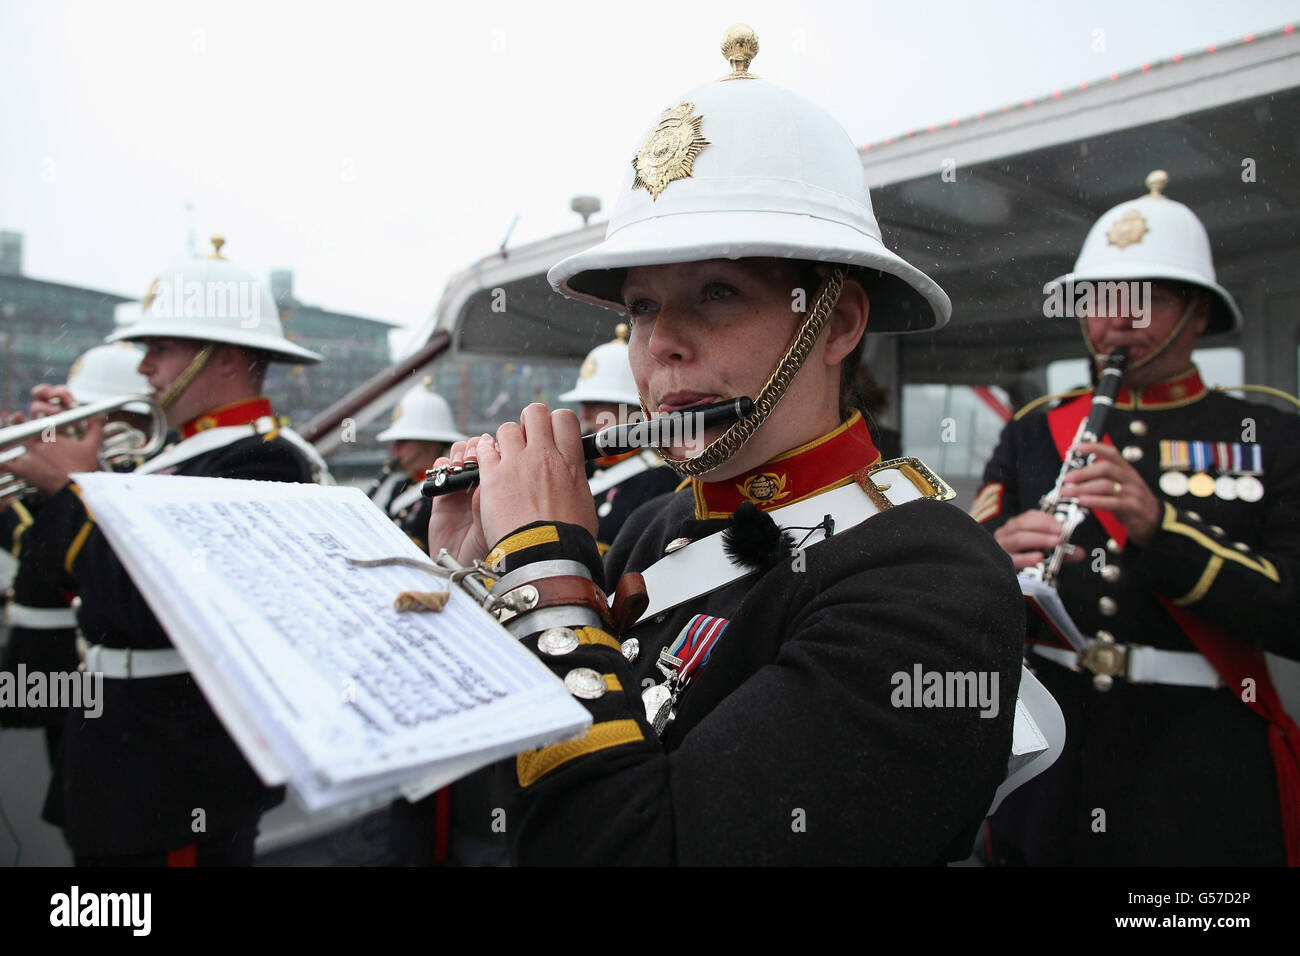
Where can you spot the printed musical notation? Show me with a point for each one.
(301, 652)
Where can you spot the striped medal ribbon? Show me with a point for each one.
(679, 662)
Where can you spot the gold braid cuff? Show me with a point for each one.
(734, 438)
(191, 371)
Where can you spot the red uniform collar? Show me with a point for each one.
(1182, 389)
(820, 465)
(608, 460)
(236, 413)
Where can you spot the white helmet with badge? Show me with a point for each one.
(606, 374)
(422, 415)
(213, 300)
(1154, 237)
(109, 371)
(743, 168)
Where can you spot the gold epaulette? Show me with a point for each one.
(1266, 389)
(927, 482)
(1073, 393)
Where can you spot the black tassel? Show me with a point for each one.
(754, 540)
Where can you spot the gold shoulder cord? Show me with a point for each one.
(734, 438)
(1262, 389)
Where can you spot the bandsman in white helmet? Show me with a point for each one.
(126, 785)
(620, 483)
(776, 701)
(1185, 571)
(40, 615)
(422, 430)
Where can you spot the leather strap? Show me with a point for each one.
(564, 590)
(630, 601)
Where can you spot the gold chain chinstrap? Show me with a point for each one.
(734, 438)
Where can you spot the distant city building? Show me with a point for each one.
(44, 325)
(355, 349)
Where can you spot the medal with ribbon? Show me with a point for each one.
(679, 663)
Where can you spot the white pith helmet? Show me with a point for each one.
(422, 415)
(1154, 237)
(740, 168)
(109, 371)
(213, 300)
(606, 374)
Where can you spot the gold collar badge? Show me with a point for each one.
(764, 487)
(669, 150)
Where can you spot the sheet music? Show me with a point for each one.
(1049, 602)
(301, 653)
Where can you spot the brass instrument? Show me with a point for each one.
(119, 442)
(1067, 511)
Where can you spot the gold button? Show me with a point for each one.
(1132, 453)
(1111, 572)
(1193, 515)
(1177, 391)
(1240, 546)
(1137, 426)
(1112, 546)
(1108, 606)
(1217, 530)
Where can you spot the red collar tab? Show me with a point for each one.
(811, 469)
(1182, 390)
(608, 460)
(236, 413)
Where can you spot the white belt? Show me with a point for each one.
(1147, 665)
(131, 662)
(40, 618)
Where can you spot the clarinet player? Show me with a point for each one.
(1178, 751)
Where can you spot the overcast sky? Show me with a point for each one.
(377, 148)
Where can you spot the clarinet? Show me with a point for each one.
(1067, 511)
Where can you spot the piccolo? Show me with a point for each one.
(613, 440)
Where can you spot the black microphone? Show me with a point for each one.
(671, 428)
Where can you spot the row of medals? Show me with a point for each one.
(1228, 487)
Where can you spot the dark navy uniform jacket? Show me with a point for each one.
(787, 748)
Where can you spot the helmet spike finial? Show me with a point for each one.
(740, 46)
